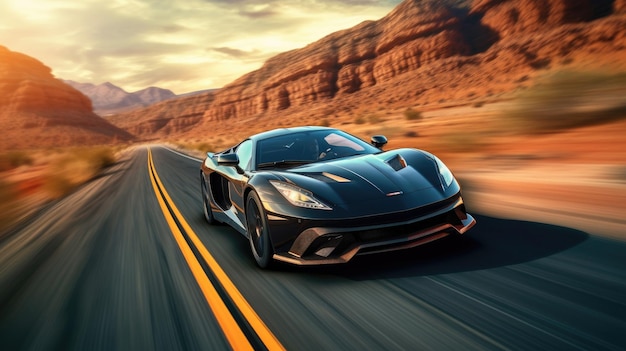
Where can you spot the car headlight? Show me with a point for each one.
(298, 196)
(444, 172)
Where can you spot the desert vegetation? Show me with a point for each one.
(412, 115)
(568, 99)
(75, 166)
(14, 159)
(201, 147)
(31, 178)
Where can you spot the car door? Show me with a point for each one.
(239, 181)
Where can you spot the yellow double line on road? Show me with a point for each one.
(224, 317)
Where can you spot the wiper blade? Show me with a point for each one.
(283, 163)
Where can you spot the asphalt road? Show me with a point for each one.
(102, 270)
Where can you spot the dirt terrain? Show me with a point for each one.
(575, 178)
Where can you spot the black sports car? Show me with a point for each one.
(315, 195)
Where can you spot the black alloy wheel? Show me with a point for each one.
(258, 232)
(206, 204)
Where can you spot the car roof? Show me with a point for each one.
(286, 131)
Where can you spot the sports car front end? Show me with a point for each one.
(307, 241)
(330, 212)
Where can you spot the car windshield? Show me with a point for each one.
(310, 146)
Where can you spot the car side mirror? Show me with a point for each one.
(379, 141)
(229, 160)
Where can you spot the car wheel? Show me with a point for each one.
(258, 232)
(206, 204)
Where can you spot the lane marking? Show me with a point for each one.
(267, 337)
(231, 329)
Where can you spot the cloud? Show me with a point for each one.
(258, 13)
(182, 46)
(237, 53)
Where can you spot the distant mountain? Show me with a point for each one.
(109, 99)
(39, 111)
(166, 117)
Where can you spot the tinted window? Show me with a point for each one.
(311, 147)
(244, 152)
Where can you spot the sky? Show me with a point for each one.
(183, 45)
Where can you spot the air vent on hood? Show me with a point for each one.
(327, 177)
(335, 177)
(397, 162)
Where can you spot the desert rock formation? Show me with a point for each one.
(414, 34)
(38, 110)
(424, 52)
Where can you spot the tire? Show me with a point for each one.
(258, 232)
(206, 204)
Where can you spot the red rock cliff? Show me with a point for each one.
(413, 34)
(37, 110)
(424, 52)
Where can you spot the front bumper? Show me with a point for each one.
(338, 241)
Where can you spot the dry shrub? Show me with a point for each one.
(205, 147)
(370, 118)
(202, 146)
(619, 173)
(412, 115)
(57, 184)
(100, 158)
(74, 167)
(14, 159)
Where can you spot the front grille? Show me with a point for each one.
(374, 240)
(396, 217)
(376, 232)
(401, 231)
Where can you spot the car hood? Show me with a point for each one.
(404, 178)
